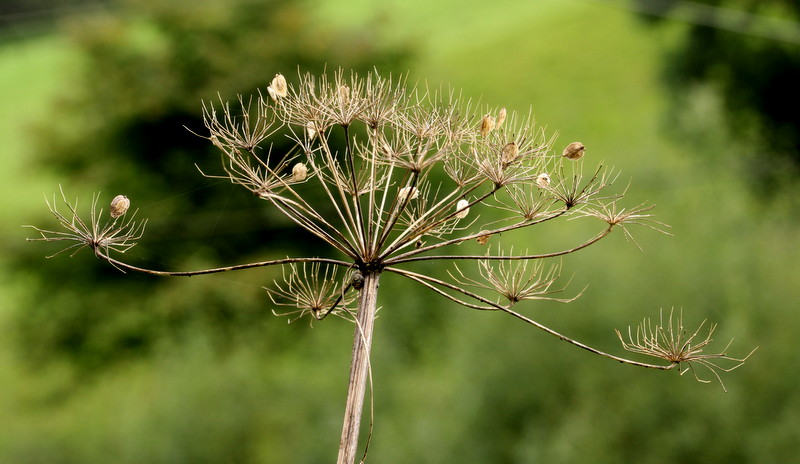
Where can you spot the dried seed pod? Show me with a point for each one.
(344, 94)
(543, 180)
(509, 154)
(311, 129)
(487, 125)
(574, 151)
(407, 193)
(119, 206)
(501, 118)
(278, 88)
(299, 172)
(462, 208)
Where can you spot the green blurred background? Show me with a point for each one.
(97, 366)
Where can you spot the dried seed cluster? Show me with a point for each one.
(402, 174)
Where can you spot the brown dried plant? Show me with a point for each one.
(416, 170)
(673, 343)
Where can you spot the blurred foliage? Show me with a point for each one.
(17, 16)
(126, 127)
(749, 53)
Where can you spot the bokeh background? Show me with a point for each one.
(693, 102)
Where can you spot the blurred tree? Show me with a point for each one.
(749, 52)
(146, 66)
(26, 13)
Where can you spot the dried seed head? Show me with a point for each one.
(462, 208)
(501, 117)
(299, 172)
(344, 94)
(311, 129)
(543, 180)
(408, 193)
(278, 88)
(574, 151)
(509, 154)
(487, 125)
(119, 206)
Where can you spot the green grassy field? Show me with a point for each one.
(484, 388)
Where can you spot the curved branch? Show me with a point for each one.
(130, 267)
(419, 278)
(430, 284)
(404, 257)
(596, 238)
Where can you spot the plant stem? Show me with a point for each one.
(359, 368)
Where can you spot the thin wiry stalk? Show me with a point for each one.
(482, 233)
(435, 217)
(341, 184)
(354, 182)
(216, 270)
(595, 239)
(431, 283)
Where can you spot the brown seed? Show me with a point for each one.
(483, 239)
(119, 206)
(574, 151)
(501, 117)
(487, 125)
(344, 95)
(509, 154)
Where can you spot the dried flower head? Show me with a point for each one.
(574, 151)
(462, 208)
(543, 180)
(278, 88)
(316, 291)
(100, 237)
(119, 206)
(514, 280)
(487, 125)
(672, 342)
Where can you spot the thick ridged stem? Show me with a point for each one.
(359, 368)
